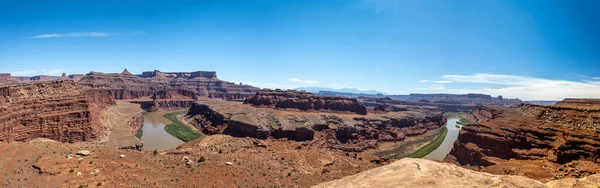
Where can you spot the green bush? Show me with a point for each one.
(464, 121)
(425, 150)
(180, 130)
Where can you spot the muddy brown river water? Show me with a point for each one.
(155, 137)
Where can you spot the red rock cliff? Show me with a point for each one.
(305, 101)
(562, 142)
(58, 110)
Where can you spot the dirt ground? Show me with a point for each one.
(253, 163)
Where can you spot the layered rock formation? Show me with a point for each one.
(126, 86)
(581, 103)
(123, 86)
(155, 105)
(305, 101)
(205, 83)
(541, 142)
(58, 110)
(7, 78)
(347, 132)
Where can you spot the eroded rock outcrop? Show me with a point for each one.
(346, 132)
(305, 101)
(541, 142)
(58, 110)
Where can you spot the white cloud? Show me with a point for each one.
(527, 88)
(424, 81)
(303, 81)
(54, 72)
(442, 81)
(83, 34)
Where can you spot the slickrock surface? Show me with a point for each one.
(540, 142)
(305, 101)
(425, 173)
(346, 132)
(58, 110)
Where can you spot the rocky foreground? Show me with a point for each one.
(425, 173)
(540, 142)
(212, 161)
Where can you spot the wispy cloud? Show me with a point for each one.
(527, 88)
(54, 72)
(83, 34)
(442, 81)
(303, 81)
(424, 81)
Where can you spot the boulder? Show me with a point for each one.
(84, 153)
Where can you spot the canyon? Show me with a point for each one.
(283, 137)
(540, 142)
(342, 131)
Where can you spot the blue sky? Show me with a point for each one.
(544, 50)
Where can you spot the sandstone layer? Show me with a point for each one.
(205, 83)
(540, 142)
(58, 110)
(425, 173)
(305, 101)
(579, 103)
(7, 78)
(126, 86)
(123, 86)
(346, 131)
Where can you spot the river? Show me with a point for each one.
(154, 135)
(441, 152)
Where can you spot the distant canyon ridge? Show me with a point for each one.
(125, 85)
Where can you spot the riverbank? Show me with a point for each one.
(124, 119)
(433, 145)
(180, 130)
(408, 146)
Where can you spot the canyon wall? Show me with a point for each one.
(125, 86)
(346, 131)
(155, 105)
(58, 110)
(305, 101)
(561, 141)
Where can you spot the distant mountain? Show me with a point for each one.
(543, 102)
(343, 90)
